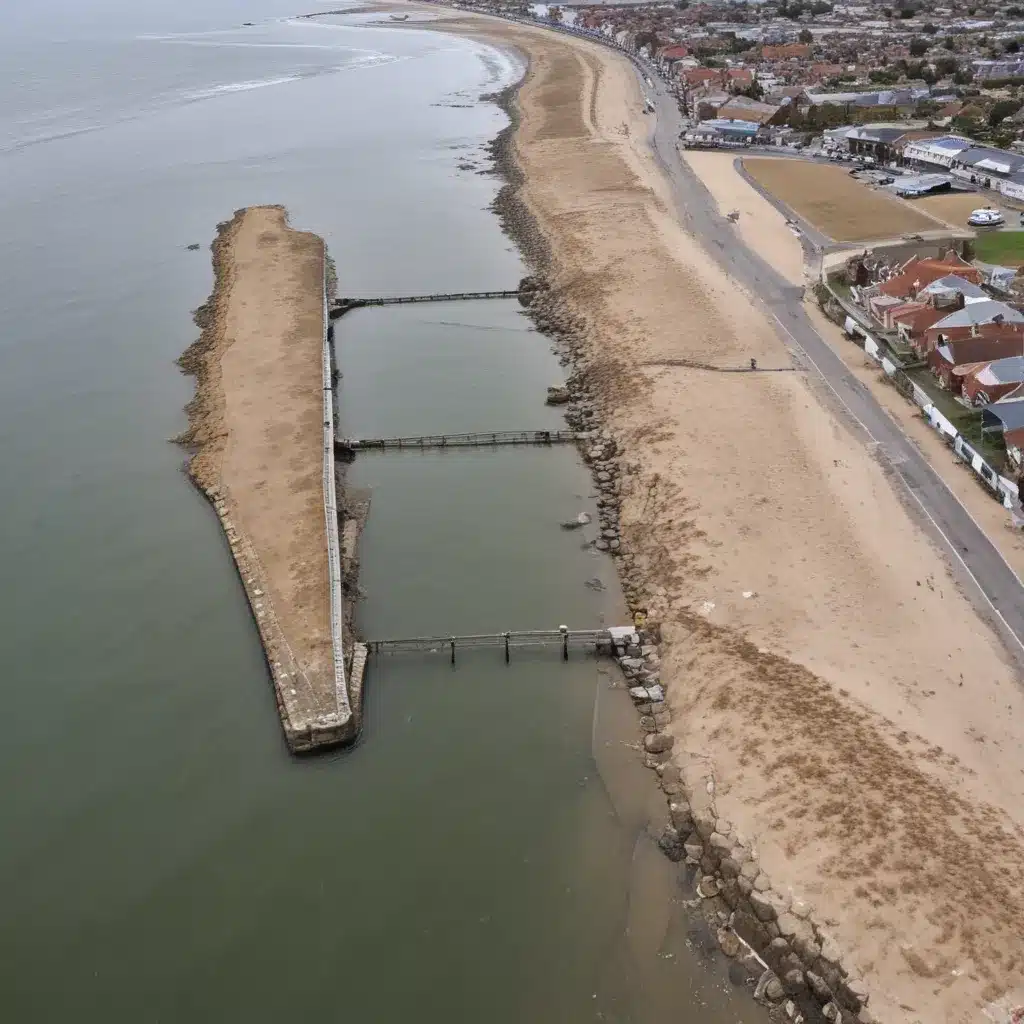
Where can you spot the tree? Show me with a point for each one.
(949, 43)
(1002, 110)
(805, 36)
(820, 7)
(906, 14)
(963, 76)
(946, 66)
(969, 120)
(648, 39)
(1013, 46)
(929, 29)
(918, 47)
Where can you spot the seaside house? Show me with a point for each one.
(990, 318)
(1006, 418)
(994, 381)
(954, 361)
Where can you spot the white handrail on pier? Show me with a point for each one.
(331, 515)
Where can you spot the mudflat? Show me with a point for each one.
(256, 424)
(856, 720)
(837, 205)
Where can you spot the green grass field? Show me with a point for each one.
(1003, 247)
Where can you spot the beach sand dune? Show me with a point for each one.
(860, 724)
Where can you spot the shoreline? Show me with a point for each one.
(236, 459)
(898, 962)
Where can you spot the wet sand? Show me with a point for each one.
(256, 425)
(854, 717)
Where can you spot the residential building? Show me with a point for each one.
(994, 381)
(990, 318)
(953, 361)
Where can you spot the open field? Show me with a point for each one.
(836, 204)
(1004, 247)
(954, 207)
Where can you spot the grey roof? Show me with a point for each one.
(1007, 371)
(952, 283)
(870, 134)
(980, 313)
(999, 157)
(920, 184)
(1007, 414)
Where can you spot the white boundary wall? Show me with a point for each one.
(1004, 488)
(331, 516)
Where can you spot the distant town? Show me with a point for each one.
(787, 72)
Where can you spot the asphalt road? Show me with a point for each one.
(988, 580)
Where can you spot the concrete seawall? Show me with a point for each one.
(268, 466)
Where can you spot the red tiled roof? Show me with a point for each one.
(922, 272)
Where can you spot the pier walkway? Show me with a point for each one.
(341, 306)
(479, 439)
(600, 641)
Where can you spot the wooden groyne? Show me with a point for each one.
(479, 439)
(599, 641)
(341, 306)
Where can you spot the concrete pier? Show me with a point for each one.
(268, 465)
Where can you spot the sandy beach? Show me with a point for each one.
(260, 458)
(857, 721)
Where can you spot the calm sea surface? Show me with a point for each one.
(484, 853)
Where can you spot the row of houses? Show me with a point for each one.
(972, 342)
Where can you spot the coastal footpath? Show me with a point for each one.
(257, 429)
(842, 737)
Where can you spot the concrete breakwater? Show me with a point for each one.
(268, 467)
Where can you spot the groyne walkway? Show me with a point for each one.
(478, 439)
(341, 306)
(598, 641)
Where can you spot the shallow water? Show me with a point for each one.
(484, 851)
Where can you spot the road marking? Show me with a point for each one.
(949, 543)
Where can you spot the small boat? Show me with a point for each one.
(987, 217)
(399, 17)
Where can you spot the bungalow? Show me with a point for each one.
(954, 360)
(1006, 418)
(738, 79)
(671, 53)
(787, 51)
(742, 108)
(994, 381)
(913, 319)
(946, 288)
(990, 318)
(919, 272)
(694, 78)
